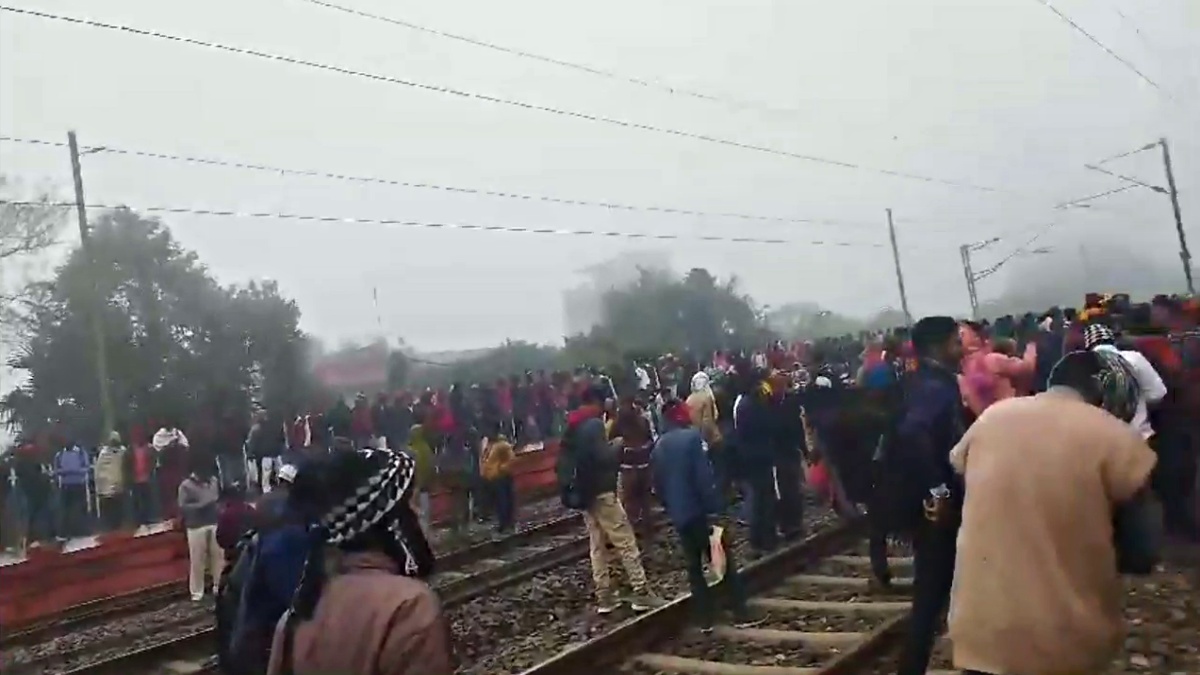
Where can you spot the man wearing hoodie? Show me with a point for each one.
(199, 495)
(686, 485)
(596, 465)
(72, 467)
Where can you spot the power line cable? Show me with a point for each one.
(1094, 40)
(510, 229)
(1098, 195)
(1023, 248)
(612, 206)
(1121, 155)
(648, 83)
(590, 117)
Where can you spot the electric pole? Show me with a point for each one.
(1185, 256)
(96, 300)
(899, 272)
(964, 252)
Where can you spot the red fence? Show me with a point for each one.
(49, 581)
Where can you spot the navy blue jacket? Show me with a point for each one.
(931, 424)
(683, 478)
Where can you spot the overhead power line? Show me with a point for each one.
(589, 117)
(508, 229)
(612, 206)
(1098, 195)
(648, 83)
(1094, 40)
(1023, 248)
(1127, 153)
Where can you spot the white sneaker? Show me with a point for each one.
(197, 597)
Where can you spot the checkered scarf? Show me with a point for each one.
(1097, 334)
(382, 498)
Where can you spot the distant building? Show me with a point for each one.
(583, 305)
(349, 372)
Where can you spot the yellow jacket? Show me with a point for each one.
(497, 460)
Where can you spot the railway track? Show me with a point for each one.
(113, 608)
(821, 617)
(469, 573)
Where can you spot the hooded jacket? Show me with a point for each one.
(422, 453)
(702, 405)
(597, 461)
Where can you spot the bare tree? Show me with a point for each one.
(28, 226)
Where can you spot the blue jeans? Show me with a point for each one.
(504, 501)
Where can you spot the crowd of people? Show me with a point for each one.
(962, 437)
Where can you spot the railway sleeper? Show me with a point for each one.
(814, 622)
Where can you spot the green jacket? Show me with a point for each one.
(422, 453)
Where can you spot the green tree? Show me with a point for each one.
(698, 313)
(177, 341)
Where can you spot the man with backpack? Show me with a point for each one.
(260, 581)
(587, 473)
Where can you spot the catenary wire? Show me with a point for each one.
(510, 229)
(612, 206)
(589, 117)
(1121, 155)
(1094, 40)
(646, 82)
(1098, 195)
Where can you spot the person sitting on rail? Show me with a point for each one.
(363, 607)
(686, 485)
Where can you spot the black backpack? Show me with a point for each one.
(242, 649)
(567, 469)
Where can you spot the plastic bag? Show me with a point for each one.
(716, 550)
(817, 476)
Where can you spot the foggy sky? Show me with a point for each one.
(991, 92)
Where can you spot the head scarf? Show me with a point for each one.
(1114, 382)
(1095, 334)
(701, 383)
(381, 498)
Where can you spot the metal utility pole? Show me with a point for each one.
(964, 252)
(94, 302)
(1185, 256)
(899, 272)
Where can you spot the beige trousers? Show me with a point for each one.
(607, 523)
(203, 555)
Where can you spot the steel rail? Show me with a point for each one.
(147, 599)
(605, 653)
(200, 644)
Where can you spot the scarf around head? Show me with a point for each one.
(383, 499)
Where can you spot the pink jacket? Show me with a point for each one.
(989, 376)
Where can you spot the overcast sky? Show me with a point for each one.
(998, 93)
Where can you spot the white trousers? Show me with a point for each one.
(203, 556)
